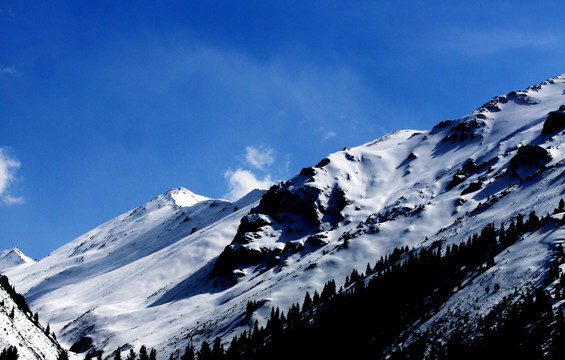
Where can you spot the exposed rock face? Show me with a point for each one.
(470, 128)
(284, 198)
(475, 186)
(528, 156)
(284, 205)
(554, 122)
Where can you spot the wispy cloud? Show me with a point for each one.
(241, 182)
(259, 157)
(8, 168)
(326, 134)
(290, 92)
(485, 41)
(9, 71)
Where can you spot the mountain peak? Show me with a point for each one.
(184, 198)
(177, 197)
(13, 257)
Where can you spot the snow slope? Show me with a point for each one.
(103, 283)
(17, 329)
(184, 266)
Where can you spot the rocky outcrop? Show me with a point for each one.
(283, 206)
(530, 157)
(554, 122)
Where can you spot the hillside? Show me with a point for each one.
(19, 330)
(185, 266)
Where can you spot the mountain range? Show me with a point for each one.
(184, 267)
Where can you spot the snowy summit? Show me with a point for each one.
(13, 257)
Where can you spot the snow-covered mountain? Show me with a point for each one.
(185, 266)
(13, 257)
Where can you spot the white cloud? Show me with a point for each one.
(8, 167)
(259, 157)
(9, 70)
(241, 182)
(12, 200)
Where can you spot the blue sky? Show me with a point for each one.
(107, 104)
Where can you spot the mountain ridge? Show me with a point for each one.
(411, 188)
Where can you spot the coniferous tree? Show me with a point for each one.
(9, 353)
(519, 224)
(153, 354)
(217, 349)
(533, 220)
(249, 309)
(329, 290)
(188, 352)
(131, 355)
(117, 354)
(205, 353)
(63, 355)
(368, 270)
(143, 353)
(316, 298)
(307, 304)
(502, 234)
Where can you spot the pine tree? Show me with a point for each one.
(533, 220)
(117, 354)
(205, 352)
(131, 355)
(502, 234)
(329, 290)
(316, 298)
(143, 353)
(188, 352)
(63, 355)
(249, 309)
(217, 349)
(153, 354)
(9, 353)
(307, 304)
(520, 225)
